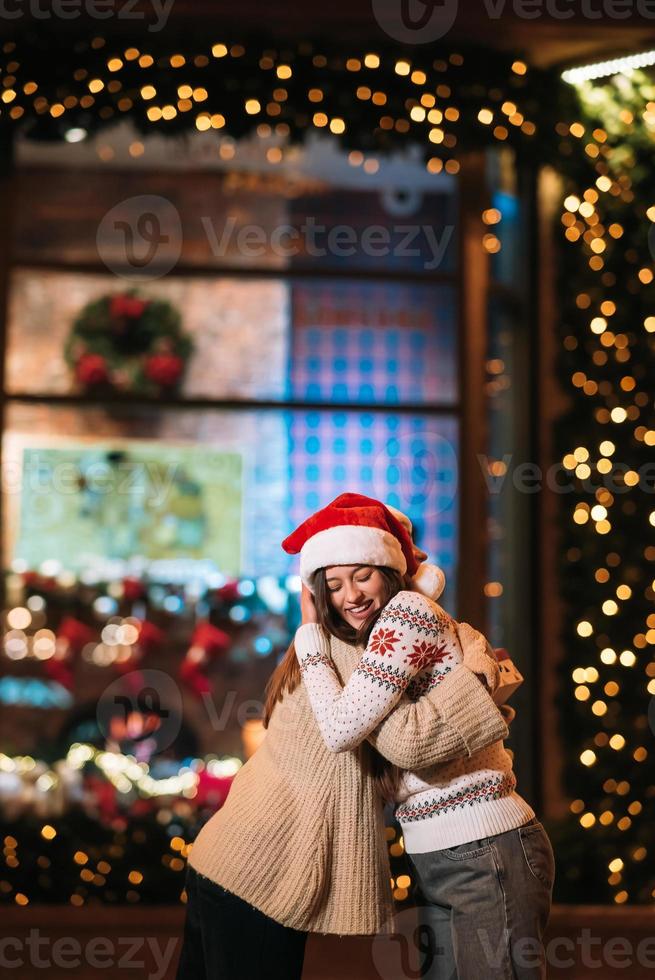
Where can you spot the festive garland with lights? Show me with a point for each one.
(104, 830)
(123, 843)
(128, 343)
(374, 101)
(216, 614)
(605, 443)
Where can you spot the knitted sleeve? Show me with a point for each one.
(456, 718)
(402, 642)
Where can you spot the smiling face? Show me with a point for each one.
(355, 591)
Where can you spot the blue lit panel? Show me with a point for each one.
(367, 343)
(409, 461)
(507, 264)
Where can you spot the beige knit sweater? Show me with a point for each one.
(301, 834)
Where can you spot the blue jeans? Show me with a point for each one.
(484, 906)
(227, 939)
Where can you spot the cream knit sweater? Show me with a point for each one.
(301, 834)
(413, 648)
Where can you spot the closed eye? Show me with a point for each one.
(363, 578)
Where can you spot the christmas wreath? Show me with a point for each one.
(128, 343)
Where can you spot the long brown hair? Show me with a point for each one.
(286, 676)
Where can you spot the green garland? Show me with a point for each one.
(375, 99)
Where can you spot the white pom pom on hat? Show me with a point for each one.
(429, 580)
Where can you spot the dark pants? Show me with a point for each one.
(485, 905)
(227, 939)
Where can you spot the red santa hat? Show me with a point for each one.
(429, 580)
(352, 530)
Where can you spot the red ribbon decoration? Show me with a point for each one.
(207, 642)
(71, 638)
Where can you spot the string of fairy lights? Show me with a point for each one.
(123, 771)
(372, 101)
(608, 433)
(115, 867)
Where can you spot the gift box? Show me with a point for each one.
(510, 677)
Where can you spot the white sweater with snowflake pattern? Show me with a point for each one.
(412, 647)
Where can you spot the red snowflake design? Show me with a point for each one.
(383, 640)
(427, 654)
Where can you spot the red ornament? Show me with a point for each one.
(212, 790)
(191, 674)
(60, 672)
(150, 636)
(127, 306)
(229, 592)
(210, 638)
(133, 589)
(207, 642)
(91, 369)
(164, 369)
(72, 637)
(75, 633)
(101, 797)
